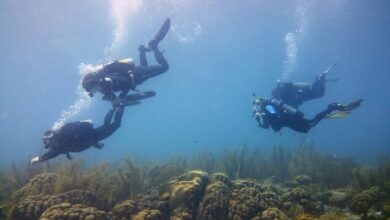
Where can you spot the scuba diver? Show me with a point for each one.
(79, 136)
(122, 75)
(294, 94)
(276, 114)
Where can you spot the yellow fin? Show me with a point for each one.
(128, 61)
(338, 115)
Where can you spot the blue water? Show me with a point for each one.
(219, 53)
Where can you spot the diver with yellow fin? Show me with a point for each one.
(123, 76)
(276, 114)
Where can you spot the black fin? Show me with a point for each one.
(163, 30)
(131, 103)
(329, 68)
(139, 96)
(160, 34)
(68, 156)
(99, 146)
(353, 105)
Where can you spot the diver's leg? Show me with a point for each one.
(320, 116)
(108, 117)
(158, 55)
(118, 116)
(142, 73)
(318, 88)
(301, 125)
(142, 55)
(106, 130)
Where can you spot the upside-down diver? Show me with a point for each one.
(122, 75)
(79, 136)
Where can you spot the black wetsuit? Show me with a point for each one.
(294, 94)
(79, 136)
(276, 114)
(125, 76)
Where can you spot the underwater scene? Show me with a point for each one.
(194, 110)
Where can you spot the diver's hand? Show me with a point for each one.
(35, 160)
(109, 97)
(116, 101)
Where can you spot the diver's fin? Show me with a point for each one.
(161, 33)
(131, 103)
(68, 156)
(139, 96)
(333, 80)
(353, 105)
(99, 146)
(338, 115)
(346, 108)
(329, 68)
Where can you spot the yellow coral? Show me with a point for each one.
(361, 202)
(246, 200)
(124, 210)
(386, 208)
(33, 206)
(214, 205)
(220, 177)
(333, 216)
(187, 189)
(148, 214)
(305, 216)
(273, 214)
(44, 183)
(69, 211)
(303, 179)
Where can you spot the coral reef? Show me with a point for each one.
(335, 216)
(215, 202)
(186, 191)
(363, 201)
(337, 197)
(33, 206)
(299, 197)
(386, 208)
(306, 217)
(303, 180)
(239, 184)
(68, 211)
(148, 214)
(124, 210)
(42, 184)
(249, 198)
(273, 214)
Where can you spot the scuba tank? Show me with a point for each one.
(286, 108)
